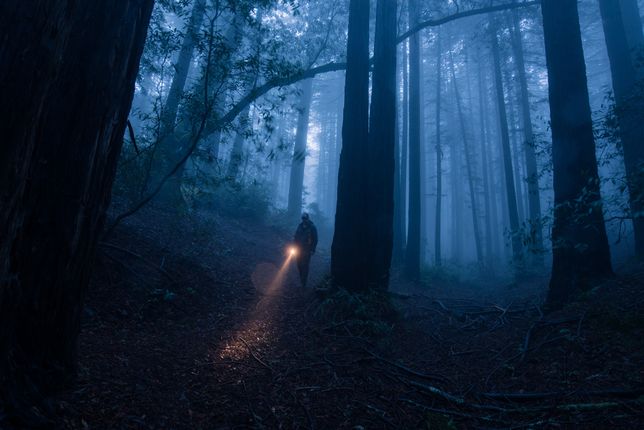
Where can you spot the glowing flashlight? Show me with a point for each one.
(292, 251)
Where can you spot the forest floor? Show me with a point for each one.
(198, 322)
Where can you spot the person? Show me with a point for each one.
(306, 240)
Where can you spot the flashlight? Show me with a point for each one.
(293, 251)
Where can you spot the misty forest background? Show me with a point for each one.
(449, 142)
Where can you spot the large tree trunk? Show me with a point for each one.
(629, 111)
(347, 251)
(68, 102)
(296, 184)
(412, 255)
(382, 137)
(507, 155)
(489, 241)
(580, 246)
(534, 201)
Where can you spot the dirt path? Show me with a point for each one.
(201, 325)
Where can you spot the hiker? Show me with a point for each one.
(306, 240)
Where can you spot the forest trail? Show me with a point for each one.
(201, 324)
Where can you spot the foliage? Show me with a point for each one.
(368, 313)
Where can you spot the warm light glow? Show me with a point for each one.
(293, 251)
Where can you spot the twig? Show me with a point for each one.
(518, 397)
(252, 352)
(407, 369)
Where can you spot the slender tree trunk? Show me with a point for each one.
(580, 245)
(412, 257)
(630, 110)
(532, 174)
(296, 184)
(348, 265)
(468, 165)
(439, 155)
(382, 137)
(56, 57)
(404, 156)
(170, 149)
(489, 240)
(507, 155)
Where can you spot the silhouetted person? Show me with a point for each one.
(306, 240)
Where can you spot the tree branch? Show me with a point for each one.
(459, 15)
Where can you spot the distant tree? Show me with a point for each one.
(296, 183)
(580, 245)
(412, 253)
(508, 169)
(67, 77)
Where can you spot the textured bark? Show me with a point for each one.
(412, 255)
(347, 251)
(296, 184)
(580, 246)
(629, 112)
(73, 123)
(510, 191)
(382, 136)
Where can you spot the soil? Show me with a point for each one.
(199, 322)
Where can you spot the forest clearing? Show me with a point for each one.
(321, 214)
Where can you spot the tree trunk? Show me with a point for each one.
(412, 256)
(60, 170)
(468, 165)
(629, 112)
(296, 184)
(507, 155)
(170, 149)
(439, 156)
(347, 251)
(532, 174)
(489, 240)
(382, 137)
(580, 246)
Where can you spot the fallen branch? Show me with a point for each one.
(406, 369)
(527, 397)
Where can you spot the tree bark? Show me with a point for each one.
(580, 245)
(382, 137)
(70, 167)
(347, 251)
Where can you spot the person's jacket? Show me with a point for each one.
(306, 236)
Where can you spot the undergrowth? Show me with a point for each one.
(369, 313)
